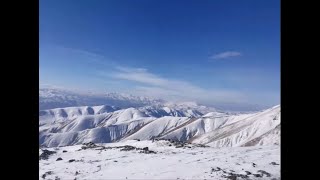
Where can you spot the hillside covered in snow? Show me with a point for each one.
(106, 124)
(161, 159)
(158, 141)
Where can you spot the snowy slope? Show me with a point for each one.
(263, 126)
(74, 125)
(105, 124)
(180, 129)
(161, 110)
(197, 127)
(219, 129)
(158, 127)
(105, 127)
(191, 106)
(124, 161)
(62, 114)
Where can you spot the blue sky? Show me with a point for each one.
(223, 53)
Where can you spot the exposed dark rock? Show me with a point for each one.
(103, 148)
(179, 145)
(201, 145)
(64, 151)
(127, 148)
(89, 145)
(122, 148)
(59, 159)
(242, 176)
(215, 170)
(274, 163)
(90, 161)
(257, 175)
(254, 165)
(232, 177)
(148, 152)
(72, 160)
(45, 154)
(264, 173)
(115, 161)
(46, 173)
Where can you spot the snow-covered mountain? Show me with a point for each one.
(105, 124)
(190, 105)
(220, 129)
(94, 142)
(50, 98)
(262, 128)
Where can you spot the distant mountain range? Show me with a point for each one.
(69, 118)
(105, 124)
(50, 98)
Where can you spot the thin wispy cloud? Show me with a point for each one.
(150, 84)
(80, 54)
(226, 55)
(106, 75)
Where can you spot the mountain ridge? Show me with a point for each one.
(105, 124)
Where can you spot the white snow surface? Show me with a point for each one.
(245, 146)
(105, 124)
(245, 130)
(169, 162)
(101, 124)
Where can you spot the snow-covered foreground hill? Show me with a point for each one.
(105, 124)
(161, 159)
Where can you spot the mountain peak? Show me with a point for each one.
(50, 98)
